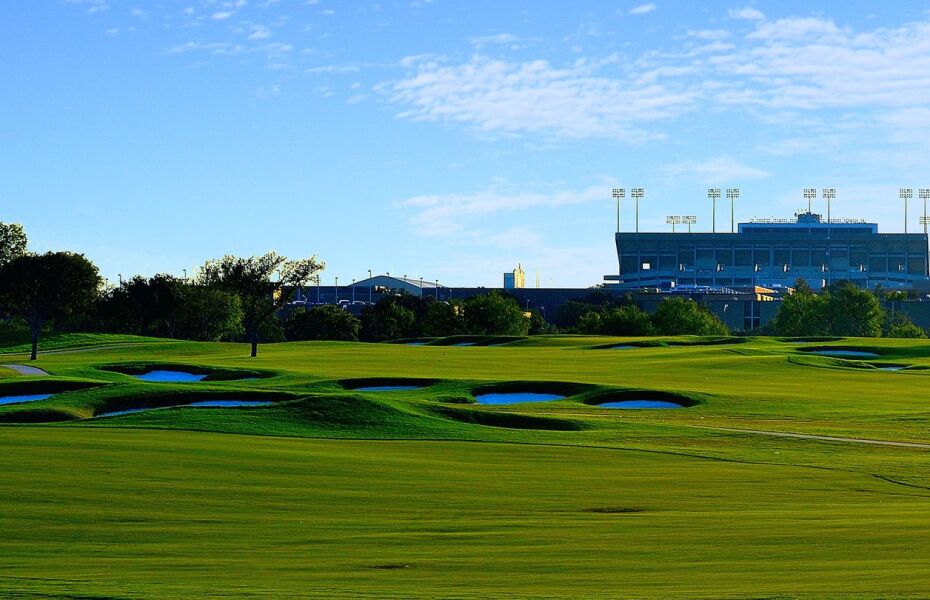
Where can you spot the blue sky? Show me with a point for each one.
(445, 139)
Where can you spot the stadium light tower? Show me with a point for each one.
(828, 194)
(618, 193)
(673, 220)
(809, 195)
(924, 194)
(905, 194)
(732, 194)
(713, 194)
(689, 220)
(636, 194)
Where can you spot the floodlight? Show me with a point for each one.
(689, 220)
(636, 194)
(713, 194)
(617, 194)
(905, 194)
(732, 194)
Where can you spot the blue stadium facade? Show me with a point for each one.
(774, 253)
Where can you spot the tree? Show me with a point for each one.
(803, 313)
(626, 320)
(40, 288)
(327, 322)
(253, 281)
(207, 315)
(538, 324)
(683, 316)
(387, 320)
(12, 242)
(851, 311)
(590, 322)
(899, 325)
(443, 319)
(494, 314)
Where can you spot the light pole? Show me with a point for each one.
(353, 290)
(673, 220)
(185, 275)
(905, 194)
(689, 220)
(924, 194)
(120, 275)
(437, 289)
(732, 194)
(828, 195)
(369, 286)
(618, 194)
(636, 194)
(713, 194)
(336, 291)
(809, 195)
(317, 288)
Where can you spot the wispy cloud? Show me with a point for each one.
(440, 214)
(642, 9)
(720, 170)
(504, 97)
(747, 12)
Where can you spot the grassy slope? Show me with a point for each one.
(129, 514)
(725, 513)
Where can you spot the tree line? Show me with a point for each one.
(247, 300)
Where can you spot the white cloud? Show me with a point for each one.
(488, 40)
(259, 32)
(642, 9)
(502, 97)
(221, 15)
(720, 170)
(747, 12)
(440, 214)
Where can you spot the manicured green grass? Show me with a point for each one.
(425, 494)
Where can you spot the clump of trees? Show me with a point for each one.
(842, 309)
(44, 288)
(407, 316)
(674, 316)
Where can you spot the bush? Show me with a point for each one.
(899, 325)
(683, 316)
(494, 314)
(387, 320)
(626, 320)
(327, 322)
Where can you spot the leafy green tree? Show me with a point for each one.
(683, 316)
(327, 322)
(263, 285)
(40, 288)
(443, 319)
(12, 242)
(899, 325)
(626, 320)
(207, 315)
(590, 322)
(494, 314)
(803, 313)
(851, 311)
(387, 320)
(538, 324)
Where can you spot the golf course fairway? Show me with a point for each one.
(421, 493)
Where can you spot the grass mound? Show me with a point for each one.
(354, 384)
(505, 419)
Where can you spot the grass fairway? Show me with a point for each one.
(127, 514)
(425, 494)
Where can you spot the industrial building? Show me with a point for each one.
(773, 253)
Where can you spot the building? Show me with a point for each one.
(515, 279)
(773, 253)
